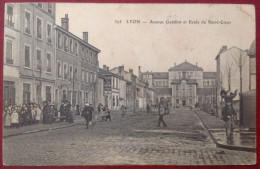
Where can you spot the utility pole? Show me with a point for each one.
(134, 95)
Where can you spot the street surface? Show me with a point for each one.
(133, 139)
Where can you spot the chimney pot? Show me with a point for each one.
(131, 71)
(104, 67)
(65, 22)
(85, 37)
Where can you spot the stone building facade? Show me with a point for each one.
(32, 51)
(77, 67)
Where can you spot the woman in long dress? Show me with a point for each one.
(8, 118)
(14, 118)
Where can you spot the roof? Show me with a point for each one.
(160, 75)
(106, 72)
(209, 75)
(189, 81)
(252, 50)
(186, 66)
(228, 50)
(71, 34)
(163, 91)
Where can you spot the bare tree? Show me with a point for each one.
(239, 60)
(229, 70)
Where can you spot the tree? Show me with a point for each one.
(229, 70)
(239, 60)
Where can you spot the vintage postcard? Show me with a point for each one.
(129, 84)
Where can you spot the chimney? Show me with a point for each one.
(131, 71)
(85, 37)
(223, 49)
(196, 63)
(104, 67)
(65, 22)
(107, 68)
(139, 71)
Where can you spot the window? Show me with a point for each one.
(190, 86)
(65, 43)
(71, 72)
(91, 57)
(71, 46)
(76, 48)
(10, 15)
(86, 76)
(75, 73)
(48, 62)
(49, 8)
(117, 101)
(87, 56)
(26, 93)
(190, 101)
(39, 93)
(59, 40)
(64, 95)
(82, 75)
(27, 22)
(59, 69)
(9, 52)
(27, 57)
(177, 101)
(39, 28)
(191, 74)
(65, 71)
(38, 59)
(39, 5)
(114, 101)
(49, 33)
(48, 93)
(9, 93)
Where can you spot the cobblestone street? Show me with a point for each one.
(133, 139)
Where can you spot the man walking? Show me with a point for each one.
(161, 114)
(148, 108)
(85, 114)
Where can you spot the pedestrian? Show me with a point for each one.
(38, 114)
(77, 110)
(8, 118)
(148, 108)
(161, 114)
(14, 118)
(85, 114)
(91, 113)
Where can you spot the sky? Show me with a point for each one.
(156, 47)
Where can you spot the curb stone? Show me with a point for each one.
(230, 147)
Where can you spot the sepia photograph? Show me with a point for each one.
(99, 84)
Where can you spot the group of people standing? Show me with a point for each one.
(16, 116)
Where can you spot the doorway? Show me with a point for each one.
(183, 102)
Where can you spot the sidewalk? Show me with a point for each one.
(41, 127)
(78, 120)
(242, 140)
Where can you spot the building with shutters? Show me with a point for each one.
(77, 67)
(29, 52)
(182, 85)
